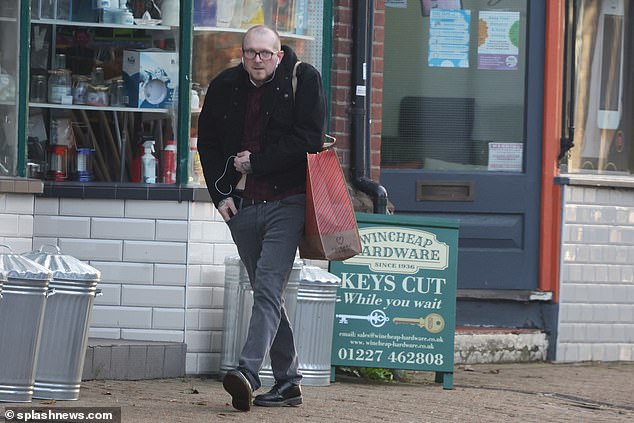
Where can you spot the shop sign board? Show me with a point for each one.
(396, 306)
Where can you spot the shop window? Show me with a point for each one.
(454, 85)
(604, 85)
(103, 84)
(104, 80)
(9, 44)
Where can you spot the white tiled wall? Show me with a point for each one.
(16, 222)
(162, 265)
(596, 313)
(208, 235)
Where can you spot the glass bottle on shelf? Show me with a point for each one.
(59, 82)
(38, 89)
(118, 93)
(98, 92)
(80, 88)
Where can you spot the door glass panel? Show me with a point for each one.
(9, 43)
(454, 86)
(604, 108)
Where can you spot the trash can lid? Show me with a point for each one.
(298, 263)
(63, 266)
(18, 267)
(317, 275)
(234, 259)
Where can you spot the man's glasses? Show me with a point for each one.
(264, 54)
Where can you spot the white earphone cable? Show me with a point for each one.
(222, 176)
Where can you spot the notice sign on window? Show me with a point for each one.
(498, 40)
(505, 157)
(449, 38)
(401, 4)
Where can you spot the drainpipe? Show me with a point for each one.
(361, 104)
(568, 116)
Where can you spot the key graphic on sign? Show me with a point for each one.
(433, 322)
(377, 318)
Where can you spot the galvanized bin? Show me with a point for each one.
(234, 273)
(313, 324)
(66, 322)
(3, 279)
(238, 301)
(21, 315)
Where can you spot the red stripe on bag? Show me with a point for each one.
(332, 201)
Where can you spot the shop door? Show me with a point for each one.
(462, 127)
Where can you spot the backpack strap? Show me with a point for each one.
(332, 140)
(294, 80)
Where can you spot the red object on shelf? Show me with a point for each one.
(169, 162)
(57, 163)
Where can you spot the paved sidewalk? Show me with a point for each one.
(537, 392)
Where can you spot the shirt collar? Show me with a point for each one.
(265, 82)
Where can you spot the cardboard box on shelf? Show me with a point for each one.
(151, 77)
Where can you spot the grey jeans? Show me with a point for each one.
(267, 236)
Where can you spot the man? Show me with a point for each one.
(253, 135)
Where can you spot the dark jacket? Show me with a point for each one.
(292, 127)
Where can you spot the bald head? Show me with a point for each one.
(265, 34)
(261, 53)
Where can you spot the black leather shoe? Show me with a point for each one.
(239, 388)
(284, 393)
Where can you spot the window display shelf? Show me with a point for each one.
(5, 19)
(7, 103)
(100, 25)
(97, 108)
(244, 30)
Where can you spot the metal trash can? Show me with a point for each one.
(60, 362)
(234, 273)
(3, 279)
(238, 301)
(313, 324)
(21, 315)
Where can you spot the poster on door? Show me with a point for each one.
(498, 40)
(505, 156)
(449, 38)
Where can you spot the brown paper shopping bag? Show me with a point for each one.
(331, 231)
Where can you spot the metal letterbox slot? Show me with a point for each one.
(445, 191)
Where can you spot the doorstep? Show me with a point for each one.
(478, 344)
(133, 360)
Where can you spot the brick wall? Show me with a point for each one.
(342, 81)
(596, 315)
(162, 265)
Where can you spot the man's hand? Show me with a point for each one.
(227, 208)
(242, 162)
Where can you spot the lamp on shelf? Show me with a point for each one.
(83, 165)
(57, 163)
